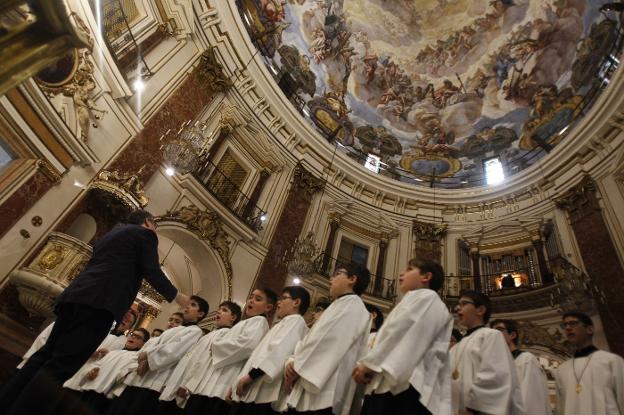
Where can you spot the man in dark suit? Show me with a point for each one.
(85, 312)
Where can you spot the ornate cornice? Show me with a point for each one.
(580, 200)
(306, 182)
(207, 225)
(429, 231)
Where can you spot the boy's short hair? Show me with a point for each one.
(203, 305)
(582, 317)
(155, 330)
(437, 272)
(179, 314)
(479, 300)
(270, 294)
(322, 304)
(457, 334)
(234, 308)
(146, 335)
(138, 217)
(379, 318)
(297, 292)
(361, 272)
(510, 325)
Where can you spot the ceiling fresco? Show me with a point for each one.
(438, 86)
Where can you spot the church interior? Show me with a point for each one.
(274, 140)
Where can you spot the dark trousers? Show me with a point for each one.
(136, 401)
(37, 387)
(405, 403)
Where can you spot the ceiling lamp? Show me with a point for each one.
(303, 258)
(183, 150)
(575, 291)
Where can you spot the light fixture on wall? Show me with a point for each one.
(303, 258)
(183, 150)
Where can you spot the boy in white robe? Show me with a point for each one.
(228, 355)
(319, 308)
(377, 319)
(156, 362)
(593, 381)
(192, 367)
(531, 376)
(407, 369)
(259, 383)
(319, 372)
(102, 375)
(483, 374)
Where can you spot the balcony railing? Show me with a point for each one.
(377, 286)
(229, 194)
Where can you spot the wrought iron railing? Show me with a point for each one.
(229, 194)
(377, 286)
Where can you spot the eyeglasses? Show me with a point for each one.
(340, 271)
(464, 302)
(136, 336)
(571, 324)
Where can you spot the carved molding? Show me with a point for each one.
(580, 200)
(211, 72)
(207, 225)
(48, 171)
(429, 231)
(126, 187)
(306, 182)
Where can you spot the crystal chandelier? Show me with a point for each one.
(575, 291)
(303, 258)
(183, 151)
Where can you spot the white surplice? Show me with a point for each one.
(229, 354)
(601, 385)
(486, 375)
(327, 355)
(270, 356)
(41, 339)
(163, 355)
(192, 367)
(112, 370)
(412, 349)
(532, 380)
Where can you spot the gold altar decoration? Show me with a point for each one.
(126, 187)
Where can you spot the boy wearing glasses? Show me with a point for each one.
(531, 376)
(260, 381)
(483, 376)
(318, 375)
(407, 369)
(592, 382)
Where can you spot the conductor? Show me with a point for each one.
(85, 312)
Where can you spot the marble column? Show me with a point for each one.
(334, 224)
(381, 262)
(476, 270)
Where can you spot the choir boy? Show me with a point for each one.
(192, 367)
(483, 375)
(377, 319)
(259, 382)
(320, 307)
(229, 353)
(157, 361)
(319, 373)
(531, 376)
(592, 382)
(407, 370)
(98, 381)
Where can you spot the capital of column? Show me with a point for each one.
(306, 182)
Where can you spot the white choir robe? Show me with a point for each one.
(487, 379)
(191, 368)
(326, 357)
(41, 339)
(602, 385)
(113, 368)
(412, 349)
(229, 354)
(163, 355)
(532, 380)
(270, 356)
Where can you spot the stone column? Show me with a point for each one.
(273, 271)
(476, 270)
(334, 224)
(381, 262)
(599, 255)
(545, 274)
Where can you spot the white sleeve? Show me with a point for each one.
(560, 402)
(533, 385)
(172, 351)
(493, 379)
(617, 370)
(281, 347)
(41, 339)
(406, 338)
(234, 348)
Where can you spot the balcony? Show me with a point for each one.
(229, 195)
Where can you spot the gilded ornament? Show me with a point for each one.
(212, 72)
(52, 257)
(125, 186)
(304, 181)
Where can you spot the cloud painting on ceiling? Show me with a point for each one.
(442, 84)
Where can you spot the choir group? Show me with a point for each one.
(348, 362)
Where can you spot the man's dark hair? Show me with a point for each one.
(457, 334)
(582, 317)
(379, 318)
(437, 272)
(361, 272)
(138, 217)
(146, 335)
(297, 292)
(270, 294)
(479, 299)
(234, 308)
(203, 305)
(510, 325)
(322, 304)
(178, 313)
(155, 330)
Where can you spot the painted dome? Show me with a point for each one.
(437, 88)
